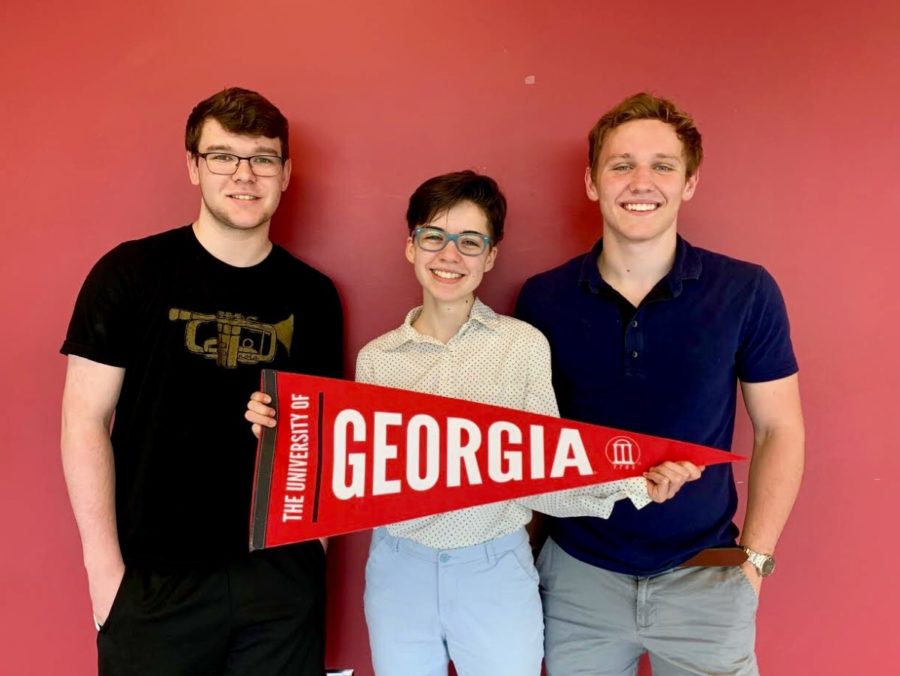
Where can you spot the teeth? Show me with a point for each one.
(244, 197)
(640, 207)
(447, 275)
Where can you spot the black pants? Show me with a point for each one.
(261, 615)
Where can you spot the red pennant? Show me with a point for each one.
(347, 456)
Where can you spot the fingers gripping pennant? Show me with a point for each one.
(348, 456)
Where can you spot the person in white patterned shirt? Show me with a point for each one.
(461, 586)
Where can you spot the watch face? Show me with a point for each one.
(768, 566)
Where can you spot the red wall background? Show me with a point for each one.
(798, 103)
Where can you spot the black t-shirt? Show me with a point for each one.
(192, 334)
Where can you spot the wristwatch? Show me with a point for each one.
(764, 563)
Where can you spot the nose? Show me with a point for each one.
(451, 251)
(641, 179)
(243, 172)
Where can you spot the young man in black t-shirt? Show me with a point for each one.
(169, 334)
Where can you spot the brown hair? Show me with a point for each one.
(444, 192)
(239, 111)
(644, 106)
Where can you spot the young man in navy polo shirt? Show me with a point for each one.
(651, 334)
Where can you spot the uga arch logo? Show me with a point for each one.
(623, 452)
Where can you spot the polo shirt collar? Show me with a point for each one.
(687, 265)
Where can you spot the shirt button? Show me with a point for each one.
(444, 558)
(634, 354)
(634, 323)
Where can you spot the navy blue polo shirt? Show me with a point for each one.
(669, 368)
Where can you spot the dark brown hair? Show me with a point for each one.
(239, 111)
(644, 106)
(444, 192)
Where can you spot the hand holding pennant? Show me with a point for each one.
(347, 456)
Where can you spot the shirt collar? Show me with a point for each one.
(479, 316)
(687, 265)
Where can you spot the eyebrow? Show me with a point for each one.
(259, 150)
(657, 156)
(464, 232)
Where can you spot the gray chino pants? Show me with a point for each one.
(690, 620)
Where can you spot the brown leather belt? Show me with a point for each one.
(717, 556)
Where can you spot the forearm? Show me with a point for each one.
(775, 473)
(89, 471)
(573, 505)
(597, 500)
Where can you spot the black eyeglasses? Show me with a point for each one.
(227, 163)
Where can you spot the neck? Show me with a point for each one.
(442, 321)
(240, 248)
(634, 268)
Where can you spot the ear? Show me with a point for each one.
(589, 186)
(491, 257)
(193, 167)
(690, 186)
(285, 175)
(410, 250)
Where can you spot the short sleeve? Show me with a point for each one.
(101, 325)
(765, 351)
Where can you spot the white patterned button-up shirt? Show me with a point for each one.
(493, 359)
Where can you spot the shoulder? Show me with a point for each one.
(137, 250)
(717, 266)
(733, 280)
(135, 260)
(286, 263)
(746, 296)
(713, 261)
(379, 354)
(543, 294)
(294, 278)
(554, 279)
(546, 298)
(742, 294)
(519, 342)
(519, 331)
(383, 343)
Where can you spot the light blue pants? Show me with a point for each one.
(478, 606)
(690, 620)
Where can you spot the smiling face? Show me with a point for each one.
(447, 276)
(640, 181)
(242, 201)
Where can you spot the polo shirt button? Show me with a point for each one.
(444, 558)
(634, 354)
(634, 323)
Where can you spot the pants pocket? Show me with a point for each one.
(525, 560)
(118, 601)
